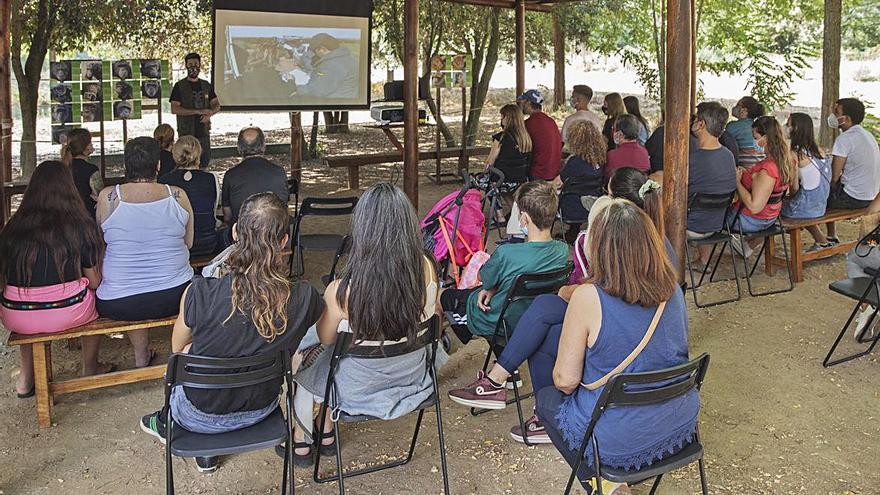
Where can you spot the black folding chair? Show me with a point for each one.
(324, 207)
(428, 338)
(577, 187)
(208, 373)
(498, 185)
(774, 230)
(293, 191)
(719, 203)
(343, 250)
(865, 291)
(525, 288)
(644, 389)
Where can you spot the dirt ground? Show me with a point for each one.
(773, 420)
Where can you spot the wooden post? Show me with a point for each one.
(463, 161)
(678, 110)
(693, 56)
(5, 109)
(410, 100)
(520, 41)
(830, 69)
(558, 63)
(439, 163)
(296, 140)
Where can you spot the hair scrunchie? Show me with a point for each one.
(647, 187)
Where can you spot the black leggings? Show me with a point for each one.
(146, 306)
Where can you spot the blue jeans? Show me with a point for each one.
(536, 340)
(547, 402)
(193, 419)
(748, 224)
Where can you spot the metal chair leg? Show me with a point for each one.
(827, 362)
(703, 485)
(655, 484)
(441, 438)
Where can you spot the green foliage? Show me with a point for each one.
(861, 25)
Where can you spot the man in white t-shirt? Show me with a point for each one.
(581, 96)
(855, 168)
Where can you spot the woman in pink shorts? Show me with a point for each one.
(49, 252)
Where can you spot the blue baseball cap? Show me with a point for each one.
(533, 96)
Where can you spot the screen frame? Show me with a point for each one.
(293, 108)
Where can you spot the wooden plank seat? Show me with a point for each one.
(798, 257)
(46, 388)
(353, 162)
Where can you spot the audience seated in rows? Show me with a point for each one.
(511, 150)
(49, 252)
(632, 107)
(148, 230)
(627, 151)
(252, 310)
(612, 107)
(476, 311)
(385, 239)
(546, 140)
(255, 174)
(164, 133)
(203, 190)
(814, 177)
(581, 96)
(605, 320)
(586, 161)
(711, 170)
(855, 166)
(746, 110)
(772, 176)
(86, 175)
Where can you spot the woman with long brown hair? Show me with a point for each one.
(770, 177)
(511, 150)
(86, 176)
(612, 107)
(252, 310)
(49, 255)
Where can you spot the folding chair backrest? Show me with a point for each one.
(710, 201)
(532, 285)
(583, 186)
(428, 333)
(225, 373)
(776, 198)
(343, 250)
(328, 206)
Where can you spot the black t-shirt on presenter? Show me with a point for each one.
(201, 93)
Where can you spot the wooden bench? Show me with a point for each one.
(798, 257)
(47, 388)
(354, 162)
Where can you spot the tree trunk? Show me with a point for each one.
(313, 136)
(558, 63)
(830, 69)
(27, 95)
(342, 123)
(480, 86)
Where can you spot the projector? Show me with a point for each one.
(393, 113)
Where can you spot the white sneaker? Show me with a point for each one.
(862, 321)
(739, 244)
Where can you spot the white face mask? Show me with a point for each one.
(522, 227)
(833, 122)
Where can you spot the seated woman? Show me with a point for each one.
(607, 318)
(387, 263)
(86, 176)
(252, 310)
(814, 177)
(49, 252)
(148, 229)
(755, 185)
(633, 108)
(511, 150)
(612, 107)
(583, 167)
(201, 188)
(164, 133)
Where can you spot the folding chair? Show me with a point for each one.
(428, 338)
(343, 250)
(643, 389)
(208, 373)
(577, 187)
(500, 183)
(526, 287)
(865, 291)
(766, 234)
(712, 202)
(324, 207)
(293, 191)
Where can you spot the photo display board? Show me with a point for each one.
(282, 55)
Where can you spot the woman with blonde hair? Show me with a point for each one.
(252, 310)
(582, 172)
(612, 107)
(202, 188)
(164, 133)
(511, 150)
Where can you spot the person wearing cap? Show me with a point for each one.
(333, 71)
(546, 139)
(581, 96)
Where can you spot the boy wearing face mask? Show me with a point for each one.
(476, 311)
(581, 96)
(855, 168)
(194, 102)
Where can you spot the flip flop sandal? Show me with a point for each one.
(300, 460)
(153, 355)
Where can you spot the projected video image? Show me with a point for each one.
(312, 61)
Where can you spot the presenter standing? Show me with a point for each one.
(194, 102)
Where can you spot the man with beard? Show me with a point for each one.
(333, 70)
(194, 102)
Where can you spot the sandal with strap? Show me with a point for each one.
(300, 460)
(326, 449)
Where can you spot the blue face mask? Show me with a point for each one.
(522, 227)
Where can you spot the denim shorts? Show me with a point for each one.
(748, 224)
(197, 421)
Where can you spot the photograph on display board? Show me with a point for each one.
(91, 91)
(151, 69)
(92, 70)
(151, 89)
(92, 112)
(62, 114)
(61, 93)
(123, 91)
(61, 71)
(126, 110)
(122, 69)
(59, 133)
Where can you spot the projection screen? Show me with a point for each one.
(268, 57)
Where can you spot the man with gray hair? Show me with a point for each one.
(254, 174)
